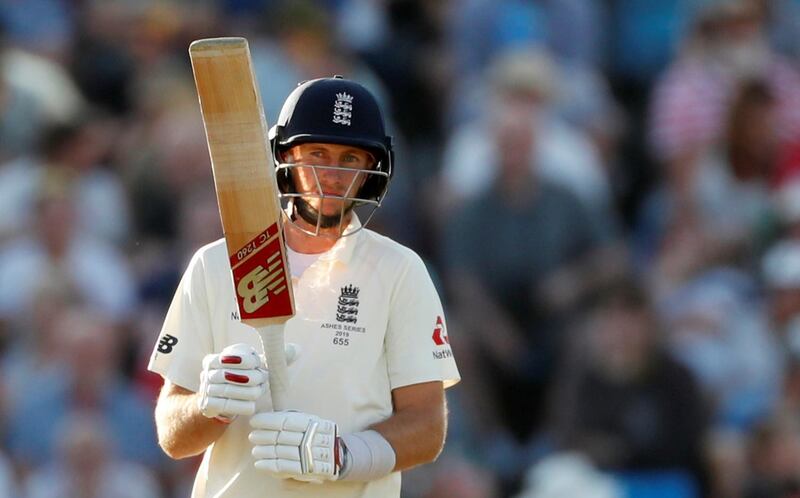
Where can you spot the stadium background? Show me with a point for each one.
(606, 192)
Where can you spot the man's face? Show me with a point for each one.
(328, 172)
(622, 341)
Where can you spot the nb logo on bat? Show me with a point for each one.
(259, 277)
(255, 287)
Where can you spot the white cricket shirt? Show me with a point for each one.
(368, 320)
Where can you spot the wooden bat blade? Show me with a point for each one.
(244, 178)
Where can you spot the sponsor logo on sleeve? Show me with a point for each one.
(167, 343)
(441, 340)
(440, 333)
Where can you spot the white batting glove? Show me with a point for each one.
(296, 445)
(231, 382)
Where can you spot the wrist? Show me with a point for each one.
(365, 456)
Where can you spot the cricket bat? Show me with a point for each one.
(247, 193)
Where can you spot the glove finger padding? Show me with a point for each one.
(276, 437)
(295, 444)
(231, 382)
(276, 452)
(249, 377)
(243, 393)
(285, 468)
(289, 421)
(223, 407)
(234, 357)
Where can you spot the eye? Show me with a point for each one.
(350, 158)
(316, 153)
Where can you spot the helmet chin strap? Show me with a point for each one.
(313, 217)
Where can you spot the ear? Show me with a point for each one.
(288, 155)
(373, 161)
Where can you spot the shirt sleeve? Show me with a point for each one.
(417, 345)
(186, 335)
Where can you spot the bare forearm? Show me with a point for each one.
(416, 434)
(182, 430)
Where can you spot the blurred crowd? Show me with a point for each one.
(607, 193)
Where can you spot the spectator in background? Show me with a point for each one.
(87, 466)
(718, 328)
(33, 353)
(726, 45)
(91, 381)
(74, 152)
(530, 81)
(736, 178)
(621, 399)
(57, 249)
(717, 208)
(547, 249)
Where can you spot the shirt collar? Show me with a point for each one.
(342, 250)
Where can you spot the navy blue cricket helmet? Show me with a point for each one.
(340, 111)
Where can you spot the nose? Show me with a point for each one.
(337, 176)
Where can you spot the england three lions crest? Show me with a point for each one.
(343, 109)
(347, 307)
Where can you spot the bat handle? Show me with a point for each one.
(272, 341)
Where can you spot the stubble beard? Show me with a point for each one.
(311, 215)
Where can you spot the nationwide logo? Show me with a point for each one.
(347, 307)
(166, 343)
(343, 109)
(441, 355)
(440, 337)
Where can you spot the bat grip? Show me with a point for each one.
(272, 341)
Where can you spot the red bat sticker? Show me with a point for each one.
(259, 277)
